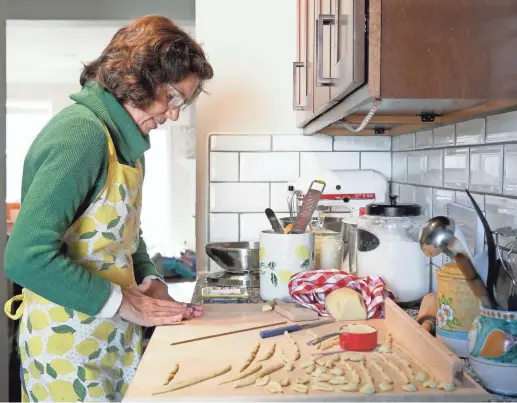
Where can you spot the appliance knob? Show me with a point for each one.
(346, 199)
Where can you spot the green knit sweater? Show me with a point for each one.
(65, 169)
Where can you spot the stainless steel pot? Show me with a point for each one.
(235, 257)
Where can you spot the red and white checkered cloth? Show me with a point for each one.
(310, 288)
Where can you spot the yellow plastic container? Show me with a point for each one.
(457, 309)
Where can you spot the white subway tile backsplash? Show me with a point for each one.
(362, 143)
(224, 227)
(501, 212)
(240, 142)
(424, 139)
(273, 166)
(502, 127)
(302, 143)
(407, 142)
(510, 169)
(251, 225)
(433, 175)
(486, 169)
(424, 198)
(313, 163)
(456, 168)
(395, 143)
(224, 167)
(470, 132)
(279, 195)
(399, 167)
(444, 136)
(378, 161)
(394, 189)
(415, 167)
(463, 199)
(441, 198)
(238, 197)
(407, 194)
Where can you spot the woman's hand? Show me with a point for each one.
(136, 307)
(158, 290)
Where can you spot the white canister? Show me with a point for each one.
(281, 256)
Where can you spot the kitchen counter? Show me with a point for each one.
(255, 298)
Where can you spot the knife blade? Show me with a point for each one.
(264, 334)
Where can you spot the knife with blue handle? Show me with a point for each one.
(264, 334)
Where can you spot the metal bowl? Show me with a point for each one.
(235, 257)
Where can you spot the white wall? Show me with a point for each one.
(251, 46)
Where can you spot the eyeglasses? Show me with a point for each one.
(178, 100)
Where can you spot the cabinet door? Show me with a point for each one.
(302, 68)
(322, 50)
(348, 47)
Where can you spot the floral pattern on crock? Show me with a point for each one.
(445, 314)
(270, 267)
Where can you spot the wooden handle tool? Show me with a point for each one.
(427, 313)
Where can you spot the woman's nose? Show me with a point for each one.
(173, 114)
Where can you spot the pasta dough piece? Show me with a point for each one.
(307, 364)
(368, 389)
(325, 345)
(289, 366)
(351, 387)
(421, 376)
(448, 387)
(355, 376)
(346, 304)
(338, 380)
(193, 381)
(323, 378)
(384, 349)
(172, 373)
(310, 370)
(406, 364)
(393, 366)
(269, 353)
(251, 357)
(262, 381)
(323, 387)
(431, 384)
(335, 357)
(243, 374)
(386, 378)
(317, 372)
(408, 387)
(268, 306)
(329, 364)
(354, 357)
(302, 381)
(320, 362)
(265, 371)
(294, 344)
(274, 387)
(285, 382)
(337, 371)
(300, 388)
(385, 387)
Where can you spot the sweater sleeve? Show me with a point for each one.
(62, 172)
(142, 263)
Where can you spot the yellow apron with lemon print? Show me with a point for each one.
(67, 355)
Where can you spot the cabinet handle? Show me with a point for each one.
(296, 105)
(337, 29)
(323, 19)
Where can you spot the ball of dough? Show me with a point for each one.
(346, 304)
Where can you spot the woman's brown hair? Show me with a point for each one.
(150, 51)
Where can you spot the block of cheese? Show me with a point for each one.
(346, 304)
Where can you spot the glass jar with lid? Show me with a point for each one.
(388, 247)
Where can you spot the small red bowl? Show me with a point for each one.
(358, 338)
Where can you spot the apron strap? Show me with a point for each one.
(9, 304)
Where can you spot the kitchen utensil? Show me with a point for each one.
(436, 235)
(281, 256)
(426, 316)
(288, 228)
(491, 249)
(508, 261)
(309, 204)
(275, 224)
(235, 257)
(227, 333)
(294, 312)
(264, 334)
(388, 247)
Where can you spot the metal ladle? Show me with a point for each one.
(437, 236)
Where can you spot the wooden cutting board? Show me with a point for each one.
(204, 356)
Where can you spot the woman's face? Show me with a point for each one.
(163, 107)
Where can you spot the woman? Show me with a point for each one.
(76, 247)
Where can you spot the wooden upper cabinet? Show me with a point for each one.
(302, 68)
(409, 65)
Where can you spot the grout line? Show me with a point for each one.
(238, 167)
(300, 151)
(258, 182)
(271, 143)
(239, 226)
(270, 194)
(498, 143)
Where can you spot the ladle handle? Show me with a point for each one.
(473, 280)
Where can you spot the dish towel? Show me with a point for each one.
(310, 288)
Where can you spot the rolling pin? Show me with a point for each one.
(427, 313)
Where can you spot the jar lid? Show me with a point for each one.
(393, 209)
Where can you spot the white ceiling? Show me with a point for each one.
(52, 51)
